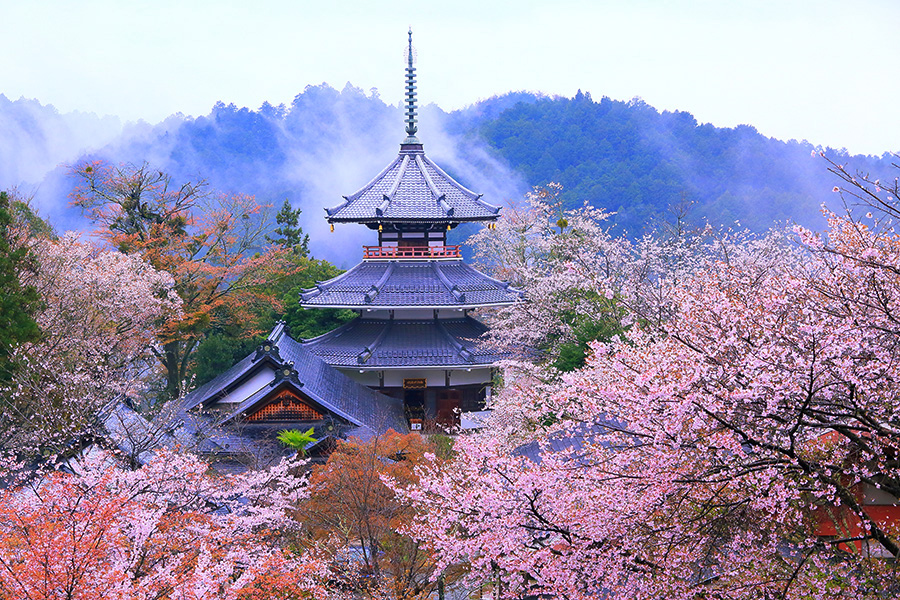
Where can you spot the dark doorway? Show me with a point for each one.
(414, 403)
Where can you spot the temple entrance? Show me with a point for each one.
(447, 407)
(414, 403)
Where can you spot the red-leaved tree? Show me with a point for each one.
(211, 244)
(353, 518)
(168, 530)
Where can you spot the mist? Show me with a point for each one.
(35, 140)
(325, 145)
(626, 157)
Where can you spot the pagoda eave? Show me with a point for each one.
(423, 367)
(412, 188)
(375, 344)
(446, 220)
(394, 284)
(409, 306)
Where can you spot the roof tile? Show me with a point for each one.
(373, 343)
(413, 283)
(419, 192)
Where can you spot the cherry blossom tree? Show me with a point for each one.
(703, 453)
(564, 260)
(168, 530)
(581, 282)
(101, 311)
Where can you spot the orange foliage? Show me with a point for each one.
(63, 547)
(112, 535)
(210, 243)
(359, 520)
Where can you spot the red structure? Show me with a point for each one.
(395, 252)
(840, 522)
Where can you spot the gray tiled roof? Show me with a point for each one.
(371, 409)
(135, 436)
(357, 404)
(573, 441)
(412, 188)
(391, 284)
(380, 343)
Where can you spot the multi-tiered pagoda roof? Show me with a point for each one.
(393, 284)
(409, 190)
(396, 343)
(413, 291)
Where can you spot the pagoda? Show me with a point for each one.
(414, 338)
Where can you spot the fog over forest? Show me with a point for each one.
(624, 156)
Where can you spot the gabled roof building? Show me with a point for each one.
(236, 416)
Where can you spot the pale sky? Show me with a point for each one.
(824, 70)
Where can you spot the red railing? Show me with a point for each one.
(387, 252)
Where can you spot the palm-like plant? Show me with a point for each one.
(296, 439)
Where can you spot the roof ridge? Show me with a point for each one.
(451, 287)
(504, 284)
(277, 331)
(475, 196)
(369, 350)
(376, 287)
(389, 197)
(446, 208)
(464, 352)
(322, 286)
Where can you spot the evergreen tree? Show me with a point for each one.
(18, 303)
(227, 343)
(290, 233)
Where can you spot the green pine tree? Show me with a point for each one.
(18, 303)
(290, 233)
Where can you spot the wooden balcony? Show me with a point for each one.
(411, 252)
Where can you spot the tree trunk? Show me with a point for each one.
(172, 363)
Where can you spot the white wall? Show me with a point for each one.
(369, 378)
(463, 377)
(434, 377)
(250, 386)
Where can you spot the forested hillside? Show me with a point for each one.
(630, 158)
(624, 156)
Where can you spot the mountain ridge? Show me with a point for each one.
(627, 157)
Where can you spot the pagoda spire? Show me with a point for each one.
(411, 107)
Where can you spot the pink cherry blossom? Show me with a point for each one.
(707, 450)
